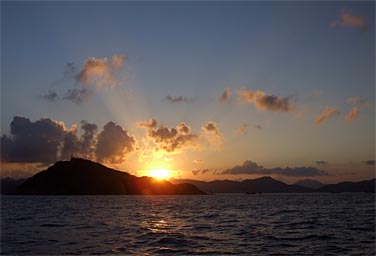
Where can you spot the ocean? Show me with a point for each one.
(221, 224)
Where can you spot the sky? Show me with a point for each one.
(206, 90)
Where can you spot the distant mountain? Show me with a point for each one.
(270, 185)
(308, 183)
(367, 186)
(260, 185)
(9, 185)
(84, 177)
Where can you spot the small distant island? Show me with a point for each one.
(83, 177)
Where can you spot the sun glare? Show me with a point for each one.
(159, 173)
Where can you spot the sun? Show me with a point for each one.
(159, 173)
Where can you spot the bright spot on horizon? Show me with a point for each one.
(159, 173)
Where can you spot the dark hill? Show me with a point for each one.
(308, 183)
(260, 185)
(84, 177)
(367, 186)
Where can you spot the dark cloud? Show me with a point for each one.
(250, 167)
(32, 142)
(212, 128)
(72, 145)
(47, 141)
(263, 101)
(370, 162)
(50, 96)
(321, 162)
(225, 95)
(242, 130)
(197, 172)
(113, 143)
(88, 138)
(177, 99)
(78, 96)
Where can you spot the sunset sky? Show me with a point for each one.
(206, 90)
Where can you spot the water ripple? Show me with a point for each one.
(267, 224)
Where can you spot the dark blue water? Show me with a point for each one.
(266, 224)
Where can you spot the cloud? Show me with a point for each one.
(225, 95)
(175, 139)
(197, 161)
(327, 113)
(100, 71)
(242, 130)
(212, 134)
(113, 144)
(47, 141)
(263, 101)
(170, 139)
(176, 99)
(32, 142)
(71, 144)
(88, 138)
(78, 96)
(50, 96)
(370, 162)
(197, 172)
(250, 167)
(321, 162)
(212, 128)
(152, 123)
(352, 115)
(349, 20)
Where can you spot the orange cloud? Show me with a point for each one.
(170, 139)
(354, 113)
(327, 113)
(263, 101)
(349, 20)
(100, 71)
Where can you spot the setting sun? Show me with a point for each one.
(159, 173)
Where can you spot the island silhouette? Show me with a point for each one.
(84, 177)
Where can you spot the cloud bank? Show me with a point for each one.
(250, 167)
(47, 141)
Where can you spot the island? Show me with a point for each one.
(84, 177)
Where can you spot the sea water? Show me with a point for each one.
(223, 224)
